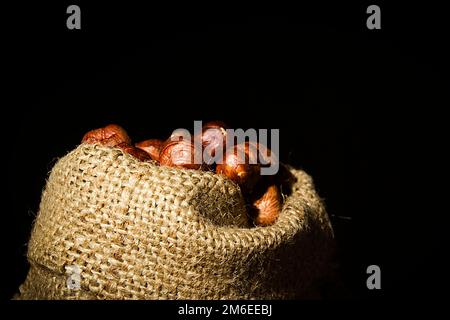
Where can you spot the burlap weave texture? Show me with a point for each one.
(141, 231)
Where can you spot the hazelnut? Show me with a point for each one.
(267, 208)
(135, 152)
(262, 153)
(111, 135)
(241, 171)
(180, 154)
(214, 136)
(152, 147)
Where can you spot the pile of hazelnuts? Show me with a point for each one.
(261, 192)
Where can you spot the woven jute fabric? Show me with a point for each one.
(137, 230)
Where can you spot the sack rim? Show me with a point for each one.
(290, 221)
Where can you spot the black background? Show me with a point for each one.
(358, 109)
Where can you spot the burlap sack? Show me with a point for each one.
(136, 230)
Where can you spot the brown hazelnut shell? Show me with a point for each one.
(111, 135)
(268, 207)
(152, 147)
(180, 154)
